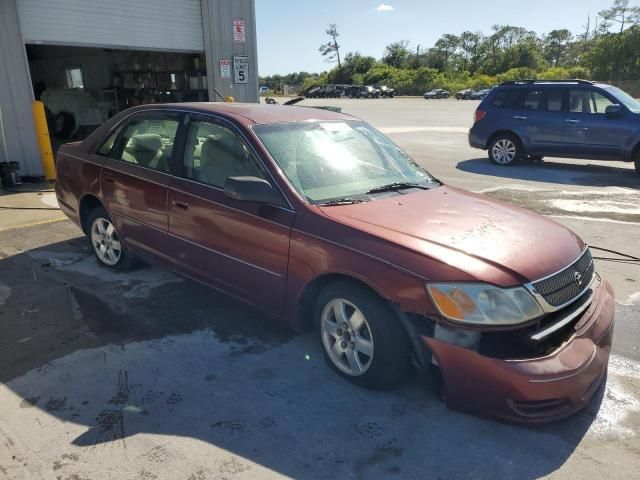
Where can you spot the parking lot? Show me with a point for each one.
(146, 375)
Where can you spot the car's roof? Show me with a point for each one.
(249, 113)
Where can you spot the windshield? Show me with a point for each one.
(624, 98)
(327, 161)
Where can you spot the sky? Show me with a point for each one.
(290, 32)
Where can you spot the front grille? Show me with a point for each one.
(563, 286)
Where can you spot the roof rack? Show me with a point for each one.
(531, 82)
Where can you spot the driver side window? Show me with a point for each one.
(214, 153)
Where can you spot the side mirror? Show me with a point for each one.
(613, 111)
(250, 189)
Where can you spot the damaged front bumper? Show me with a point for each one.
(537, 389)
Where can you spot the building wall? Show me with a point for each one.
(16, 95)
(217, 18)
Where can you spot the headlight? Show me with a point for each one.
(483, 304)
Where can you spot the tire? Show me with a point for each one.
(64, 124)
(103, 238)
(379, 332)
(505, 150)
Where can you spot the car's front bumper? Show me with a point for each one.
(535, 390)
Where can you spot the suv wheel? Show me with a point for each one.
(363, 340)
(505, 150)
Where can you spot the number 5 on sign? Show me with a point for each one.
(241, 69)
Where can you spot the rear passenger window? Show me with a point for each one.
(507, 98)
(554, 100)
(532, 100)
(148, 142)
(106, 147)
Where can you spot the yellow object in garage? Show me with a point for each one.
(44, 141)
(229, 99)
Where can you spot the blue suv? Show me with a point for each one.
(568, 118)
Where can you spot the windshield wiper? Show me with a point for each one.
(341, 201)
(391, 187)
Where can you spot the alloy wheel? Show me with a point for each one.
(504, 151)
(346, 337)
(104, 240)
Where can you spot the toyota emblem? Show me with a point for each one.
(578, 278)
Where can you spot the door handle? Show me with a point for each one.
(572, 120)
(182, 205)
(109, 179)
(519, 117)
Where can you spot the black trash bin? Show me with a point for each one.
(10, 174)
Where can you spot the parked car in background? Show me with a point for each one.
(480, 94)
(363, 91)
(263, 90)
(464, 94)
(565, 118)
(72, 109)
(385, 91)
(436, 93)
(319, 220)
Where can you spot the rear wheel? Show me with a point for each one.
(363, 340)
(505, 150)
(105, 243)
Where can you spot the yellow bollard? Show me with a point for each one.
(44, 142)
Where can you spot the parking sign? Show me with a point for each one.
(241, 69)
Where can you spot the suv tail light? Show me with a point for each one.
(479, 115)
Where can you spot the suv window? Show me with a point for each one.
(214, 153)
(588, 101)
(554, 99)
(532, 100)
(147, 141)
(507, 98)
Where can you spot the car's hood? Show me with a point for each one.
(490, 240)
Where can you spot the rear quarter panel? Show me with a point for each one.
(78, 175)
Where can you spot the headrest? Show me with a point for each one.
(147, 141)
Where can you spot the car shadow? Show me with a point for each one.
(97, 358)
(556, 172)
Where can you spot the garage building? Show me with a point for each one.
(88, 59)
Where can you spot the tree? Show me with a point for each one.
(555, 44)
(355, 64)
(620, 12)
(331, 49)
(396, 54)
(469, 43)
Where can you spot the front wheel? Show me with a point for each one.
(105, 243)
(505, 150)
(363, 340)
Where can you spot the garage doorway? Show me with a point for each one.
(83, 86)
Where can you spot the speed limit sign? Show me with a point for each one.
(241, 69)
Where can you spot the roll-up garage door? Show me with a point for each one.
(169, 25)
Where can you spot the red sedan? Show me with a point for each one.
(318, 219)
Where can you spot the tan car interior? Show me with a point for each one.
(219, 156)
